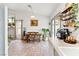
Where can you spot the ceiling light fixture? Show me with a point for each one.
(32, 16)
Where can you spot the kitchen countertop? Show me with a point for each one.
(65, 49)
(61, 43)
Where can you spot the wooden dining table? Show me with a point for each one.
(33, 36)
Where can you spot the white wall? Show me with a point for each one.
(43, 21)
(2, 31)
(58, 9)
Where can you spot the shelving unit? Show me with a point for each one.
(14, 29)
(11, 29)
(69, 16)
(68, 20)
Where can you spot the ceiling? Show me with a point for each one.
(45, 9)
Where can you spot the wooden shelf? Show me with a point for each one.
(68, 9)
(68, 16)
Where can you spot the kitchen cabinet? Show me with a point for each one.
(19, 27)
(11, 29)
(55, 53)
(14, 29)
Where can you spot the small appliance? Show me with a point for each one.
(62, 33)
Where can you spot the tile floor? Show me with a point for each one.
(18, 48)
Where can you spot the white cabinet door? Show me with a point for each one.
(18, 29)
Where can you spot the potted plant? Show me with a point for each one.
(45, 31)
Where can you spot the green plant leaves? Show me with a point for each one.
(45, 30)
(75, 7)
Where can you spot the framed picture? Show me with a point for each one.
(34, 22)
